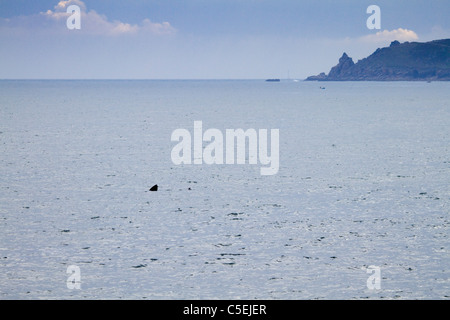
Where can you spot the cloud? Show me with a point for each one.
(157, 28)
(399, 34)
(92, 23)
(62, 5)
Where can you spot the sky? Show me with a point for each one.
(203, 39)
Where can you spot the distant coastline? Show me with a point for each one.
(408, 61)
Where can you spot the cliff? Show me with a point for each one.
(409, 61)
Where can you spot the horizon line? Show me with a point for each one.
(144, 79)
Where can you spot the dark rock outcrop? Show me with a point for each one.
(409, 61)
(345, 63)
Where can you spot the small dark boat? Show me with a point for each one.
(273, 80)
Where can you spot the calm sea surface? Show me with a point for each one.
(363, 185)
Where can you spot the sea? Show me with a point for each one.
(359, 208)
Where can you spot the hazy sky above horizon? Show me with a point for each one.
(203, 39)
